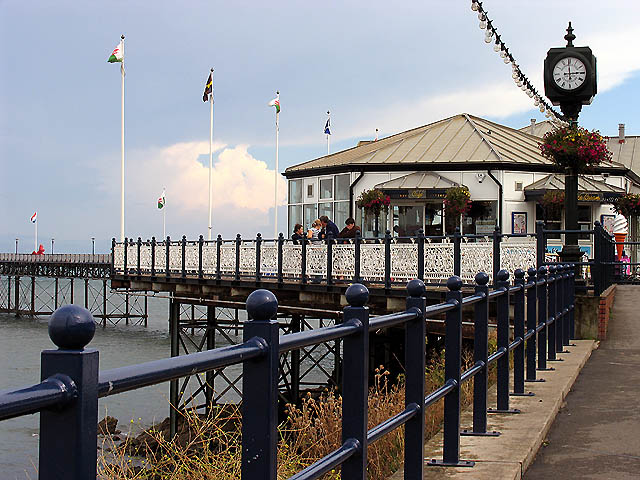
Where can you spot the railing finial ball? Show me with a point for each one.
(415, 288)
(519, 273)
(482, 278)
(71, 327)
(542, 270)
(503, 276)
(357, 295)
(552, 269)
(532, 272)
(262, 305)
(454, 283)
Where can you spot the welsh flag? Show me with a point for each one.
(161, 201)
(275, 103)
(34, 217)
(118, 54)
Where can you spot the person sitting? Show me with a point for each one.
(350, 230)
(330, 229)
(298, 233)
(314, 232)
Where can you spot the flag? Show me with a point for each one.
(34, 217)
(275, 103)
(208, 89)
(118, 54)
(327, 127)
(161, 201)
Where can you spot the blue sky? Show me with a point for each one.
(373, 64)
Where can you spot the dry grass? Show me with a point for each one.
(208, 448)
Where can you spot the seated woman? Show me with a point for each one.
(298, 233)
(314, 232)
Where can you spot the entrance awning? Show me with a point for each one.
(417, 185)
(589, 189)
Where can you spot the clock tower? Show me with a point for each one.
(570, 77)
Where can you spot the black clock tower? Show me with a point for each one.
(570, 81)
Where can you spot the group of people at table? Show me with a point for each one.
(324, 229)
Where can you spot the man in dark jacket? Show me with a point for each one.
(351, 229)
(330, 229)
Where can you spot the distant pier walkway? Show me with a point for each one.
(597, 433)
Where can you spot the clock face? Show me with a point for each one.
(569, 73)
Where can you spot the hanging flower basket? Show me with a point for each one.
(552, 203)
(575, 147)
(373, 201)
(457, 201)
(628, 205)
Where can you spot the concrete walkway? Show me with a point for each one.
(596, 435)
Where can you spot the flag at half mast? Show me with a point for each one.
(275, 103)
(208, 89)
(161, 201)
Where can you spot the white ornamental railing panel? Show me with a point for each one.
(118, 257)
(475, 257)
(209, 259)
(175, 257)
(269, 259)
(517, 253)
(192, 257)
(292, 260)
(438, 261)
(132, 256)
(343, 259)
(228, 258)
(404, 261)
(372, 261)
(145, 258)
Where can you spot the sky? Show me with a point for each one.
(373, 64)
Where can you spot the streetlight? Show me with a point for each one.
(93, 245)
(52, 240)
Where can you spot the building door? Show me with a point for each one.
(408, 219)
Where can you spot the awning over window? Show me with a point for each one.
(417, 185)
(589, 189)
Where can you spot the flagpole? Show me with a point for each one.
(35, 224)
(210, 151)
(122, 148)
(164, 216)
(328, 135)
(275, 180)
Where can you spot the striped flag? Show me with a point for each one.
(275, 103)
(161, 201)
(34, 217)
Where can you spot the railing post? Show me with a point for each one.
(200, 246)
(496, 254)
(218, 254)
(452, 365)
(551, 322)
(421, 254)
(126, 250)
(457, 261)
(329, 261)
(597, 270)
(113, 255)
(414, 360)
(518, 333)
(68, 436)
(540, 243)
(481, 356)
(355, 382)
(560, 309)
(303, 262)
(260, 389)
(502, 312)
(184, 256)
(167, 257)
(356, 253)
(280, 248)
(387, 259)
(238, 244)
(572, 301)
(542, 319)
(258, 259)
(532, 322)
(153, 256)
(139, 243)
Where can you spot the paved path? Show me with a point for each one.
(596, 435)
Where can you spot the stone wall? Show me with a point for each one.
(592, 314)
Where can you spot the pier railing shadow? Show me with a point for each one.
(67, 396)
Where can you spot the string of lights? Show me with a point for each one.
(520, 79)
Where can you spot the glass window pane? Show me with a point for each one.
(310, 214)
(342, 187)
(341, 214)
(295, 216)
(310, 190)
(584, 213)
(295, 191)
(407, 220)
(325, 209)
(326, 188)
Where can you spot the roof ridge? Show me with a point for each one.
(475, 127)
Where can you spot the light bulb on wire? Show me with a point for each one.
(474, 5)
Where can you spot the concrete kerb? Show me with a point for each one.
(509, 455)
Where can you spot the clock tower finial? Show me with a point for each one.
(569, 37)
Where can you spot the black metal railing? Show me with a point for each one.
(67, 398)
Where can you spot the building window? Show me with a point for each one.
(584, 220)
(326, 188)
(341, 214)
(295, 216)
(310, 190)
(325, 209)
(342, 187)
(552, 221)
(310, 214)
(295, 191)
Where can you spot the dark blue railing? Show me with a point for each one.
(67, 398)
